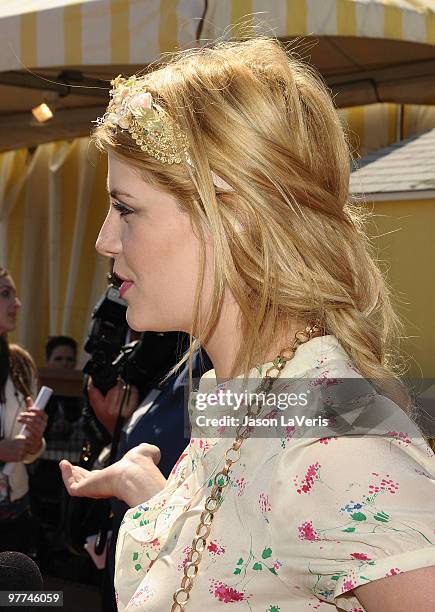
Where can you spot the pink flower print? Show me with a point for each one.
(386, 484)
(307, 482)
(174, 469)
(347, 586)
(401, 437)
(214, 549)
(289, 430)
(307, 532)
(225, 593)
(356, 610)
(327, 440)
(352, 367)
(182, 564)
(264, 505)
(155, 543)
(315, 605)
(360, 556)
(393, 571)
(320, 380)
(240, 484)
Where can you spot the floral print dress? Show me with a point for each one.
(303, 521)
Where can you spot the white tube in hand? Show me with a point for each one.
(41, 401)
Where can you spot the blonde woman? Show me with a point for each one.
(229, 219)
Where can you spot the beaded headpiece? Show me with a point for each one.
(133, 109)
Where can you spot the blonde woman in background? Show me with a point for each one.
(17, 388)
(229, 219)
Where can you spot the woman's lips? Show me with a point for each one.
(124, 287)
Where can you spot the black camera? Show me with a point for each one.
(141, 363)
(106, 337)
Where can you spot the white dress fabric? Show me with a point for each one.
(304, 519)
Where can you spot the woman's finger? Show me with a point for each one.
(66, 469)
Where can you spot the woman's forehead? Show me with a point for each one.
(6, 281)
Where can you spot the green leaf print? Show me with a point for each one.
(135, 556)
(237, 571)
(274, 609)
(267, 552)
(137, 515)
(137, 567)
(381, 516)
(358, 516)
(273, 570)
(257, 566)
(349, 529)
(240, 561)
(336, 577)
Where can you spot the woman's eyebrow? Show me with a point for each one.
(116, 193)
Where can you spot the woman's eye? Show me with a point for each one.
(123, 210)
(5, 293)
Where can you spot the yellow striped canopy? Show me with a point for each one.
(45, 33)
(405, 20)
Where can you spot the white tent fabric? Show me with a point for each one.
(47, 33)
(406, 20)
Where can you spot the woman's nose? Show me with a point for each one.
(17, 303)
(108, 242)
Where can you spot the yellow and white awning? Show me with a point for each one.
(405, 20)
(46, 33)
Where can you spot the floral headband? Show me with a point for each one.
(133, 109)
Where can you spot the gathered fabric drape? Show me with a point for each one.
(52, 204)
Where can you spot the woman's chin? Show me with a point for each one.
(139, 324)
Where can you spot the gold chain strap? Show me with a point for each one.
(221, 479)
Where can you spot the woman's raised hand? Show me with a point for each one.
(85, 483)
(134, 479)
(35, 421)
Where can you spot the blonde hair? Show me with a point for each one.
(287, 243)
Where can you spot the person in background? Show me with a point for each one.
(64, 438)
(18, 386)
(61, 352)
(62, 435)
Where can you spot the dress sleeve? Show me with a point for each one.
(364, 510)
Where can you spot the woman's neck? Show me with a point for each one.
(223, 344)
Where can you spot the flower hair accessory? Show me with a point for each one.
(154, 131)
(133, 109)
